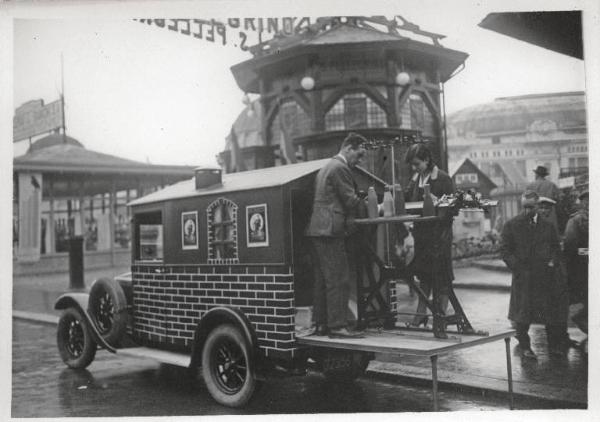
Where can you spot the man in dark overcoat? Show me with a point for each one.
(335, 204)
(576, 255)
(530, 248)
(558, 290)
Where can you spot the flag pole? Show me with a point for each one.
(62, 96)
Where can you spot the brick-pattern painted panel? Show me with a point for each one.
(169, 301)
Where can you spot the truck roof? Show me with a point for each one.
(235, 182)
(245, 180)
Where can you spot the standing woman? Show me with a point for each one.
(430, 268)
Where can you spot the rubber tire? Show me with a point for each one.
(89, 346)
(357, 367)
(113, 334)
(241, 397)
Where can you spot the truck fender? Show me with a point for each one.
(218, 316)
(80, 301)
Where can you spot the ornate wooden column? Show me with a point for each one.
(111, 222)
(392, 102)
(51, 228)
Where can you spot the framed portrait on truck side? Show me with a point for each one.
(257, 226)
(189, 230)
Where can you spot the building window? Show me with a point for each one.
(355, 111)
(495, 139)
(582, 162)
(466, 178)
(149, 231)
(222, 232)
(334, 119)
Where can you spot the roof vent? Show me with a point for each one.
(206, 177)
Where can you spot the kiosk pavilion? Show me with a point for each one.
(62, 189)
(382, 78)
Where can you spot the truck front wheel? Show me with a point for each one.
(228, 367)
(76, 346)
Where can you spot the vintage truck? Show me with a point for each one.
(221, 283)
(220, 279)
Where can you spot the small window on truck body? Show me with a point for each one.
(222, 232)
(149, 236)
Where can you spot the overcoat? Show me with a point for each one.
(538, 290)
(336, 202)
(426, 235)
(576, 238)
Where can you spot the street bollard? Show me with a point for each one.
(76, 263)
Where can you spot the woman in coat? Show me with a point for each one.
(436, 277)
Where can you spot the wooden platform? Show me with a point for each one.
(405, 342)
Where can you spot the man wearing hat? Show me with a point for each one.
(530, 248)
(558, 290)
(577, 258)
(545, 188)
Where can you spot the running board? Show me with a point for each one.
(162, 356)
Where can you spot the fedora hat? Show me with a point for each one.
(541, 171)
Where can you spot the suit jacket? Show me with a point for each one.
(336, 201)
(537, 290)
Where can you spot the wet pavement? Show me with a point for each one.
(37, 293)
(487, 310)
(122, 386)
(555, 378)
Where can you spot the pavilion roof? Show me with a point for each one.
(355, 32)
(70, 158)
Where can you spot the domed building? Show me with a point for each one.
(509, 137)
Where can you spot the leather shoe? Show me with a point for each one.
(344, 333)
(528, 353)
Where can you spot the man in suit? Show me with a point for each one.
(335, 204)
(530, 248)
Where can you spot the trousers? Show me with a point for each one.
(332, 281)
(556, 334)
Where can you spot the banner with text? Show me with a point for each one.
(240, 32)
(35, 117)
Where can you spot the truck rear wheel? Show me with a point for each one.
(228, 367)
(76, 346)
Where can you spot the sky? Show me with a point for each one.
(149, 94)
